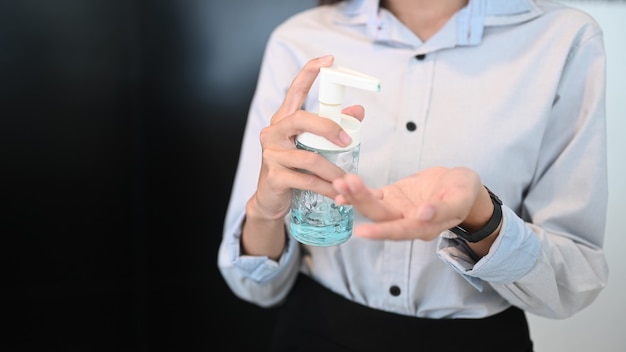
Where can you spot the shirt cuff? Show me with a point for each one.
(260, 269)
(512, 255)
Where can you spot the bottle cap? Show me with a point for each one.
(333, 81)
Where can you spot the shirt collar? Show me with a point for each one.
(470, 21)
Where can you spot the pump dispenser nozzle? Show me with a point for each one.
(333, 81)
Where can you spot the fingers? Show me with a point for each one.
(300, 169)
(368, 202)
(388, 222)
(399, 229)
(301, 85)
(306, 162)
(282, 133)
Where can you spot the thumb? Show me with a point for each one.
(356, 111)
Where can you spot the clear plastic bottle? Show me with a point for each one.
(315, 219)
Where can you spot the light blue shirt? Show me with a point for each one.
(511, 89)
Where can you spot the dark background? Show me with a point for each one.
(120, 124)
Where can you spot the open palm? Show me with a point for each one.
(419, 206)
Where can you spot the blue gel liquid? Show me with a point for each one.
(315, 219)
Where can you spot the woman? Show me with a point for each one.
(482, 187)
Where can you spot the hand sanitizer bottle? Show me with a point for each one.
(315, 219)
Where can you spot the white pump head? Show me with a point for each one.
(333, 81)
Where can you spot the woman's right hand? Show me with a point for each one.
(281, 162)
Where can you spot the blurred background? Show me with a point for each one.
(120, 124)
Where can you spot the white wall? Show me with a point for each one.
(601, 327)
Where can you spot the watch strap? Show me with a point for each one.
(489, 228)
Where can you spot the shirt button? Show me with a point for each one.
(394, 290)
(411, 126)
(420, 57)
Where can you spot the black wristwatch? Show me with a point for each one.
(488, 229)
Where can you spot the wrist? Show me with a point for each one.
(484, 218)
(257, 212)
(262, 235)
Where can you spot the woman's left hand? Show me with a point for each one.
(420, 206)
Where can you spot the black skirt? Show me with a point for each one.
(316, 319)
